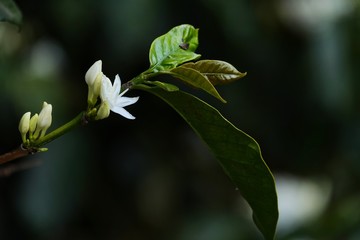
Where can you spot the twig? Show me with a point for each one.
(15, 154)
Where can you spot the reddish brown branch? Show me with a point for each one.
(15, 154)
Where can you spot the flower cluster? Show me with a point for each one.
(110, 94)
(35, 127)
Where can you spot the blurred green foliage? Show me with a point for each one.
(300, 100)
(9, 12)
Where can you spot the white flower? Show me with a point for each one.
(113, 100)
(93, 78)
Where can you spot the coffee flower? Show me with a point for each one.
(112, 99)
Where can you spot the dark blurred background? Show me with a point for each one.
(152, 178)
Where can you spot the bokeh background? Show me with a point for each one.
(152, 178)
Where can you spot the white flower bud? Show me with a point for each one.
(93, 72)
(24, 125)
(33, 123)
(45, 118)
(93, 79)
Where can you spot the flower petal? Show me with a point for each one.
(106, 89)
(117, 84)
(122, 112)
(126, 101)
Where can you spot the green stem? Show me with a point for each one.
(146, 75)
(79, 119)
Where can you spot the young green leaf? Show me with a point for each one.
(174, 48)
(218, 72)
(196, 79)
(9, 12)
(237, 153)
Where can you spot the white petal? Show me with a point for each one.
(126, 101)
(122, 112)
(117, 84)
(106, 88)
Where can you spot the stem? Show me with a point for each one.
(17, 153)
(143, 77)
(79, 119)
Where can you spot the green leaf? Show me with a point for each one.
(174, 48)
(195, 79)
(238, 154)
(218, 72)
(9, 12)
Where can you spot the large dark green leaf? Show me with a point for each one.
(218, 72)
(9, 12)
(238, 154)
(174, 48)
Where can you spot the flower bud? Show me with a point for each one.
(24, 125)
(33, 123)
(93, 72)
(44, 119)
(104, 111)
(93, 78)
